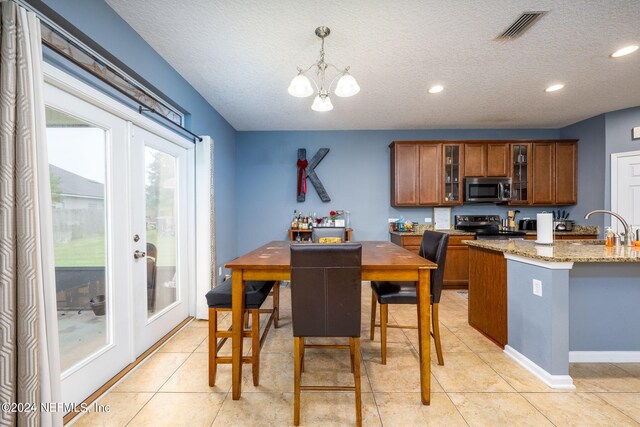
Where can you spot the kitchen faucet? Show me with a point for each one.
(627, 229)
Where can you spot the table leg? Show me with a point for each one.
(237, 310)
(424, 328)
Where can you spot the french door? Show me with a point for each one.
(159, 177)
(121, 245)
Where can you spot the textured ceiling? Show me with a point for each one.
(241, 55)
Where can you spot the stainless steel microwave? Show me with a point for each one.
(487, 190)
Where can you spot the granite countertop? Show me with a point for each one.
(562, 250)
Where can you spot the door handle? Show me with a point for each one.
(139, 254)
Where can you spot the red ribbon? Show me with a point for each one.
(302, 176)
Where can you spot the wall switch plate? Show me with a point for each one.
(537, 287)
(219, 271)
(393, 219)
(427, 220)
(635, 133)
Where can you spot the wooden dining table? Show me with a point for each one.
(380, 261)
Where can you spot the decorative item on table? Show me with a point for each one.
(330, 240)
(339, 219)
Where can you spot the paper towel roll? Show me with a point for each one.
(545, 228)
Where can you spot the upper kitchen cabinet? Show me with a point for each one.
(415, 174)
(452, 177)
(497, 159)
(404, 174)
(475, 160)
(520, 174)
(566, 173)
(543, 177)
(554, 173)
(486, 159)
(432, 173)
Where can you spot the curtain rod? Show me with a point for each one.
(143, 108)
(86, 50)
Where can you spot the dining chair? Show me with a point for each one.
(219, 300)
(433, 248)
(326, 302)
(319, 233)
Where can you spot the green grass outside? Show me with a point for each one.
(90, 251)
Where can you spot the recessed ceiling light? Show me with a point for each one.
(624, 51)
(436, 89)
(554, 88)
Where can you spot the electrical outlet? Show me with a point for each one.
(393, 219)
(537, 287)
(219, 271)
(427, 220)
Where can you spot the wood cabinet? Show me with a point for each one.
(544, 161)
(488, 294)
(555, 169)
(429, 176)
(486, 160)
(305, 235)
(404, 174)
(475, 160)
(520, 174)
(452, 167)
(566, 174)
(415, 174)
(431, 173)
(497, 159)
(456, 266)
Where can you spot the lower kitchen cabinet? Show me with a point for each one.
(456, 267)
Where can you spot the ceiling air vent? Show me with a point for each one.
(522, 24)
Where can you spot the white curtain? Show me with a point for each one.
(29, 356)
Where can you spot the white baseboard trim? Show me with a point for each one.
(604, 356)
(553, 381)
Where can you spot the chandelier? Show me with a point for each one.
(301, 86)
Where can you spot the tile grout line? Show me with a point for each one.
(176, 370)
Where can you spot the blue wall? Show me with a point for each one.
(99, 22)
(355, 173)
(591, 170)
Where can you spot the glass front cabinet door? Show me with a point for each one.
(520, 174)
(452, 176)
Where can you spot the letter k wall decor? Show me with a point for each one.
(306, 169)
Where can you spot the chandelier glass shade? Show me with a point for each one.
(301, 86)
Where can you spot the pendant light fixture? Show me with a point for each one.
(301, 85)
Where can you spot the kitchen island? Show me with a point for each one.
(573, 301)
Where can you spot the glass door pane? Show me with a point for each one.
(161, 219)
(77, 157)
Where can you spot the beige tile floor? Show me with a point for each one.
(477, 386)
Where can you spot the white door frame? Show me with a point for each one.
(615, 224)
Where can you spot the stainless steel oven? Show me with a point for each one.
(487, 190)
